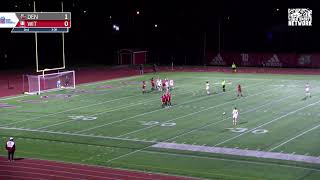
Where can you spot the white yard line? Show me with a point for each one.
(295, 137)
(80, 107)
(75, 134)
(276, 119)
(84, 84)
(249, 78)
(139, 150)
(214, 123)
(193, 113)
(142, 114)
(111, 110)
(61, 112)
(106, 81)
(12, 97)
(103, 112)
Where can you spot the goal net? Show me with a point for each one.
(49, 82)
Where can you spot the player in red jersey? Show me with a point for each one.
(239, 91)
(163, 100)
(168, 97)
(152, 84)
(143, 87)
(163, 85)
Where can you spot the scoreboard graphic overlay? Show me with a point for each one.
(36, 22)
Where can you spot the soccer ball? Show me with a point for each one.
(224, 113)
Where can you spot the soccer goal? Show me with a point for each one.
(37, 84)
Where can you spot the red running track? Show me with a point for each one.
(30, 169)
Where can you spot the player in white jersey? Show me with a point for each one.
(159, 85)
(166, 82)
(208, 88)
(235, 114)
(307, 90)
(171, 84)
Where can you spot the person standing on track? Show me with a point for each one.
(11, 147)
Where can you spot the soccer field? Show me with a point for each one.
(111, 123)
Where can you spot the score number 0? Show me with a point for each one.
(66, 23)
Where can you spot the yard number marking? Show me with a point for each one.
(152, 123)
(84, 118)
(242, 130)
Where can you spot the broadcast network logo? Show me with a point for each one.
(3, 20)
(300, 17)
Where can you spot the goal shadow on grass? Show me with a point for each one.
(243, 122)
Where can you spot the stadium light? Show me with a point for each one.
(155, 25)
(115, 27)
(138, 12)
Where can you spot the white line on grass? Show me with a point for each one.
(249, 78)
(276, 119)
(12, 97)
(60, 112)
(106, 81)
(232, 160)
(139, 150)
(193, 113)
(110, 110)
(295, 137)
(142, 114)
(142, 149)
(81, 107)
(214, 123)
(75, 134)
(84, 84)
(103, 112)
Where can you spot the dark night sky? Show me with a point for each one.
(245, 27)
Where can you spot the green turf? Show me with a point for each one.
(121, 124)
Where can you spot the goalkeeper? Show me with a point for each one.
(59, 83)
(67, 81)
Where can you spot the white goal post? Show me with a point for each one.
(49, 82)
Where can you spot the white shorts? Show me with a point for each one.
(207, 89)
(307, 90)
(235, 116)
